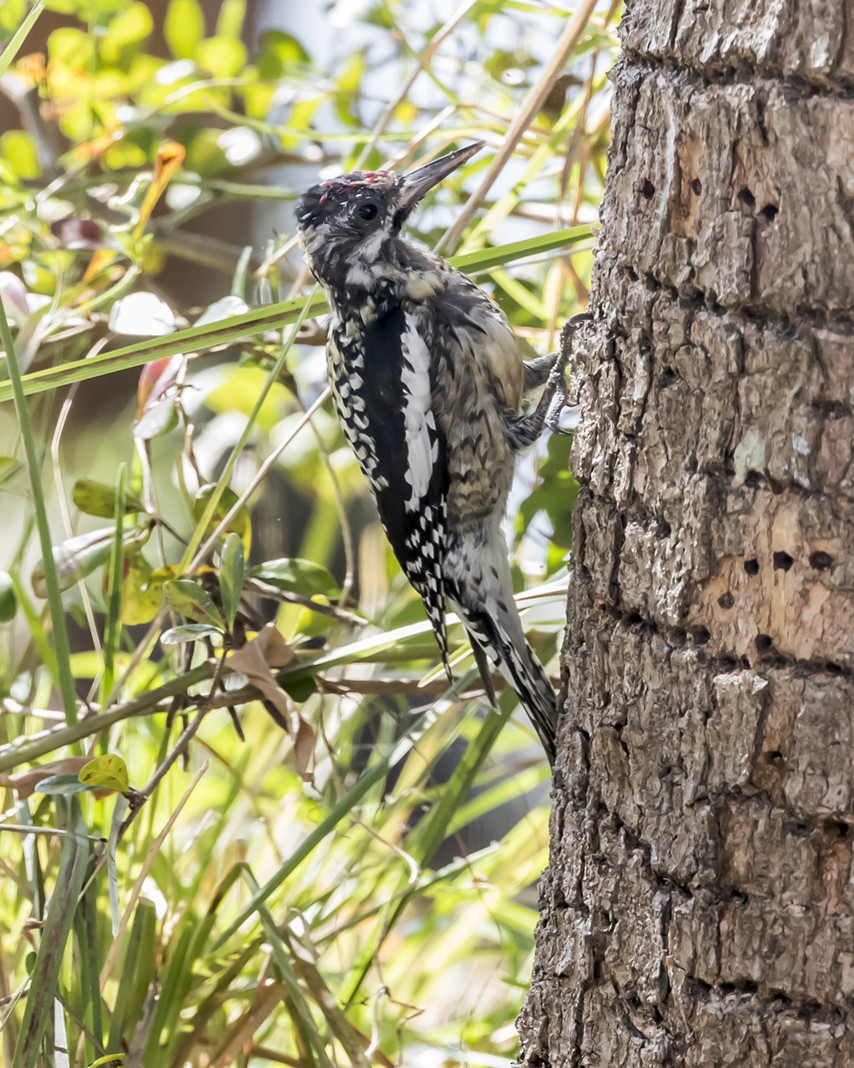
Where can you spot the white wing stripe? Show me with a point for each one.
(419, 425)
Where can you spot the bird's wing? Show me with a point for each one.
(402, 450)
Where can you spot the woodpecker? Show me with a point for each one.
(429, 386)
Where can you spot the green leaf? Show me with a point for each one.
(70, 46)
(107, 772)
(190, 632)
(12, 13)
(125, 33)
(280, 53)
(192, 601)
(484, 259)
(556, 493)
(79, 556)
(8, 600)
(119, 812)
(19, 148)
(113, 1060)
(239, 524)
(347, 89)
(142, 593)
(229, 22)
(223, 57)
(231, 571)
(300, 689)
(238, 391)
(184, 27)
(62, 785)
(138, 971)
(296, 576)
(97, 498)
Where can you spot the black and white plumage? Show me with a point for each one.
(428, 383)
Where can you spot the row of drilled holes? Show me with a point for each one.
(782, 561)
(769, 211)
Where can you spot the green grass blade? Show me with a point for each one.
(195, 339)
(338, 812)
(174, 983)
(426, 838)
(204, 520)
(282, 955)
(57, 614)
(137, 973)
(119, 813)
(270, 317)
(85, 974)
(12, 48)
(54, 936)
(486, 259)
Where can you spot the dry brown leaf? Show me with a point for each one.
(268, 649)
(25, 783)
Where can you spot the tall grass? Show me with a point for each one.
(226, 842)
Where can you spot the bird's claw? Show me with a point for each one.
(556, 407)
(553, 425)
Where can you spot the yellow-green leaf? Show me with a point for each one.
(231, 572)
(19, 148)
(142, 592)
(126, 32)
(223, 57)
(184, 27)
(97, 498)
(304, 577)
(229, 22)
(107, 772)
(192, 601)
(78, 557)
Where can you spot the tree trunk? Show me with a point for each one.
(698, 907)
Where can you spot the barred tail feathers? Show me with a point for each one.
(523, 671)
(481, 593)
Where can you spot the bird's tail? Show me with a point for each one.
(500, 637)
(479, 585)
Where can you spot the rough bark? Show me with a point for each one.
(698, 906)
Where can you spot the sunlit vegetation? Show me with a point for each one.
(245, 819)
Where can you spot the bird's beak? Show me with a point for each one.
(417, 183)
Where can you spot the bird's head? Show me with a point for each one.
(347, 221)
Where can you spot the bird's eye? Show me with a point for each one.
(368, 211)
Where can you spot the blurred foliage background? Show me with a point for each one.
(244, 819)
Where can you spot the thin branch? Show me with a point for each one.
(530, 108)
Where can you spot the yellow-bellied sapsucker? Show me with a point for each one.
(428, 382)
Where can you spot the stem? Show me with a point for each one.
(62, 648)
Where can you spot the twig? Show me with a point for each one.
(532, 105)
(14, 754)
(143, 873)
(343, 518)
(423, 60)
(138, 797)
(256, 480)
